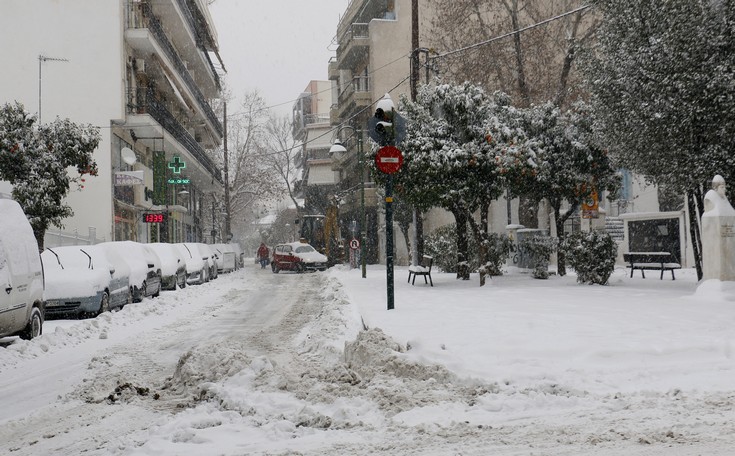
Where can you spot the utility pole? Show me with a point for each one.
(227, 232)
(417, 246)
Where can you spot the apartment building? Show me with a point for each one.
(144, 72)
(372, 59)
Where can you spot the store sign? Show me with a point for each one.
(129, 178)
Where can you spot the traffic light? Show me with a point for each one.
(386, 127)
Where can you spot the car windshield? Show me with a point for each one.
(304, 249)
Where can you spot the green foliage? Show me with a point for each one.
(442, 245)
(539, 248)
(592, 255)
(498, 249)
(661, 81)
(35, 158)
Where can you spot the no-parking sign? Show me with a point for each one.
(354, 244)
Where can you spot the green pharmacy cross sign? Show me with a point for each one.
(177, 164)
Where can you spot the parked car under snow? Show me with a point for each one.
(84, 281)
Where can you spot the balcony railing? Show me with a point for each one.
(359, 84)
(145, 101)
(201, 34)
(141, 16)
(352, 41)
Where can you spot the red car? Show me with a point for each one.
(298, 257)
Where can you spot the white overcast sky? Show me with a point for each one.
(275, 46)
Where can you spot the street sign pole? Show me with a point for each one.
(389, 239)
(388, 128)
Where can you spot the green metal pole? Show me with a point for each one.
(360, 157)
(389, 238)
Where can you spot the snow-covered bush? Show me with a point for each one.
(592, 255)
(442, 245)
(498, 249)
(539, 248)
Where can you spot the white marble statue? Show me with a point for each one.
(715, 200)
(718, 233)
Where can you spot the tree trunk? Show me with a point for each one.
(694, 219)
(463, 269)
(481, 239)
(512, 8)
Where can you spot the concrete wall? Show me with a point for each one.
(87, 89)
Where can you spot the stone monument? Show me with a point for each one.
(718, 234)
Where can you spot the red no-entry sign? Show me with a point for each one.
(389, 159)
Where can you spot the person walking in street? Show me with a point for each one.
(263, 255)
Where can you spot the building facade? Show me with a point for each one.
(372, 59)
(144, 73)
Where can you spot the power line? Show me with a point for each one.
(266, 108)
(514, 32)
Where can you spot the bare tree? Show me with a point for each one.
(283, 155)
(253, 183)
(534, 67)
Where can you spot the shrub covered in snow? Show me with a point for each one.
(442, 245)
(592, 255)
(540, 249)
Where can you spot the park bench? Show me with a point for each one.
(423, 269)
(651, 261)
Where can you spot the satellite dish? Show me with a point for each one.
(128, 156)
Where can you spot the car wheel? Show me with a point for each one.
(104, 304)
(158, 290)
(129, 298)
(35, 325)
(203, 276)
(299, 268)
(275, 268)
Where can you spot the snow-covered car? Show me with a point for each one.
(298, 257)
(144, 265)
(227, 258)
(21, 275)
(208, 256)
(173, 265)
(84, 280)
(197, 268)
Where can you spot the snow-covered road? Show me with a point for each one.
(256, 363)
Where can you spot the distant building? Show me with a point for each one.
(311, 128)
(143, 72)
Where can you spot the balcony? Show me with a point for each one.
(355, 96)
(146, 102)
(354, 45)
(333, 69)
(146, 35)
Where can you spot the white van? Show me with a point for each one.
(21, 275)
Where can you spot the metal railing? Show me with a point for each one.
(145, 101)
(198, 32)
(141, 16)
(356, 30)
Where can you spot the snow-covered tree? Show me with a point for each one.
(661, 77)
(561, 162)
(34, 159)
(448, 161)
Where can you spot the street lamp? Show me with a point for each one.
(337, 147)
